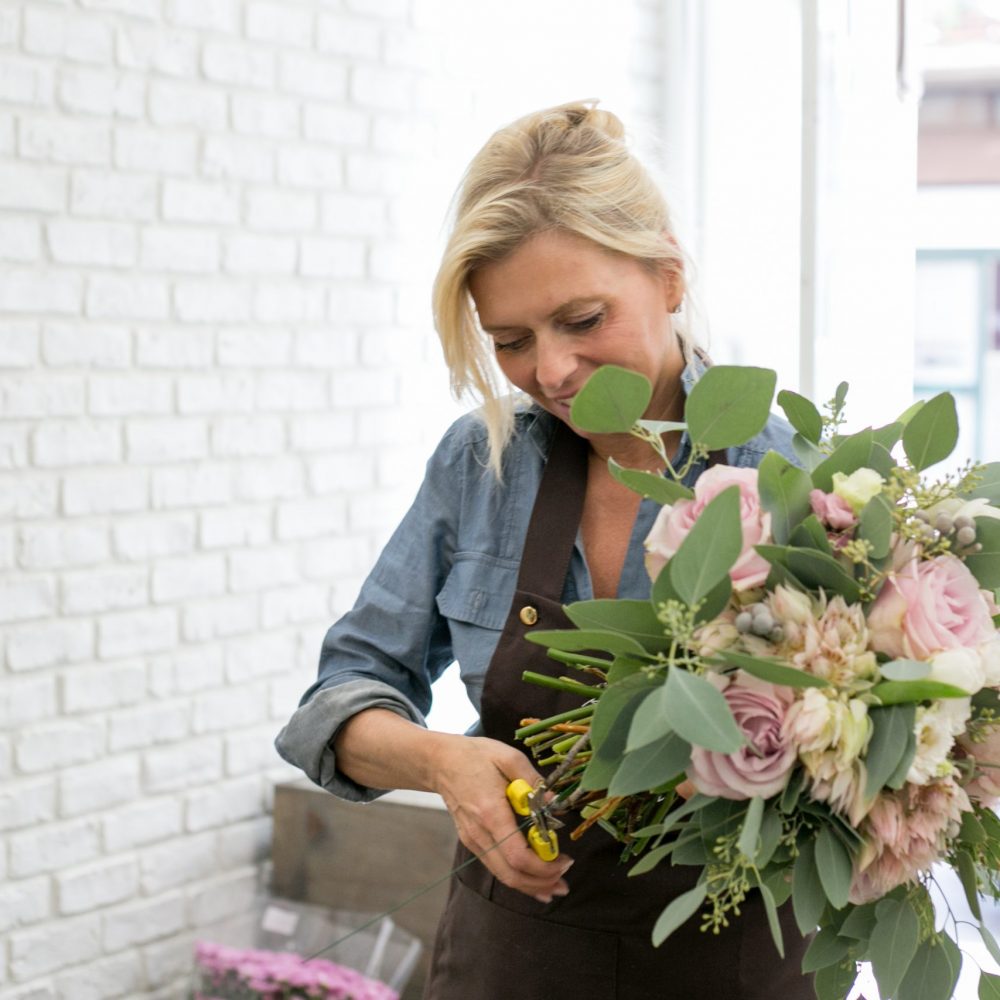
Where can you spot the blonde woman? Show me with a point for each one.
(561, 259)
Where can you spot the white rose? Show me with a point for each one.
(960, 667)
(989, 655)
(956, 507)
(857, 488)
(935, 737)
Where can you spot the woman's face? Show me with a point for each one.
(560, 306)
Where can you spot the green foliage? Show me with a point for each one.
(910, 692)
(851, 454)
(699, 713)
(611, 401)
(890, 728)
(808, 896)
(933, 973)
(834, 865)
(826, 948)
(677, 911)
(636, 619)
(876, 525)
(988, 486)
(610, 726)
(771, 670)
(985, 565)
(801, 414)
(931, 434)
(893, 943)
(784, 494)
(708, 552)
(648, 484)
(576, 639)
(651, 765)
(729, 405)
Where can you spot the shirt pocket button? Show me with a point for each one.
(528, 615)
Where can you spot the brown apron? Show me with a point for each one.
(497, 944)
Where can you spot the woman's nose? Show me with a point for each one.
(555, 362)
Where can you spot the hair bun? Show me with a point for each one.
(579, 113)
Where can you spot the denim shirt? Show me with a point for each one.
(443, 585)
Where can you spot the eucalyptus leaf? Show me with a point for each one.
(711, 547)
(649, 723)
(573, 640)
(715, 601)
(636, 619)
(890, 728)
(826, 948)
(840, 395)
(989, 986)
(991, 943)
(651, 859)
(893, 943)
(747, 844)
(771, 909)
(622, 667)
(859, 923)
(876, 525)
(834, 865)
(729, 405)
(663, 490)
(808, 897)
(907, 692)
(790, 796)
(850, 455)
(933, 973)
(651, 766)
(811, 534)
(784, 494)
(770, 835)
(611, 401)
(779, 881)
(897, 779)
(966, 868)
(806, 452)
(609, 728)
(989, 484)
(931, 434)
(880, 459)
(985, 565)
(770, 670)
(678, 911)
(699, 713)
(834, 982)
(905, 670)
(815, 569)
(972, 831)
(888, 435)
(801, 414)
(662, 426)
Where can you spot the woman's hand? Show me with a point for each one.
(380, 749)
(472, 778)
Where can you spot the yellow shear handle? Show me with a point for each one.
(544, 843)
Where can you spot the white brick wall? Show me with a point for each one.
(218, 386)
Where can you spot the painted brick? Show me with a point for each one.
(168, 962)
(310, 518)
(363, 305)
(43, 747)
(220, 15)
(200, 201)
(94, 689)
(18, 342)
(238, 64)
(231, 157)
(101, 92)
(180, 250)
(387, 426)
(253, 348)
(221, 898)
(374, 173)
(14, 446)
(151, 723)
(342, 126)
(189, 487)
(253, 569)
(310, 167)
(192, 577)
(26, 82)
(62, 141)
(336, 473)
(215, 393)
(180, 105)
(26, 598)
(279, 24)
(291, 605)
(281, 211)
(168, 440)
(235, 527)
(294, 302)
(121, 298)
(331, 258)
(115, 976)
(26, 700)
(54, 33)
(50, 644)
(133, 632)
(325, 348)
(99, 786)
(144, 822)
(354, 214)
(143, 538)
(241, 436)
(24, 902)
(265, 655)
(312, 76)
(174, 348)
(55, 546)
(348, 36)
(225, 616)
(269, 480)
(187, 669)
(113, 195)
(39, 396)
(250, 254)
(212, 302)
(58, 444)
(157, 49)
(155, 150)
(381, 87)
(361, 387)
(226, 802)
(10, 27)
(106, 491)
(97, 243)
(290, 391)
(273, 117)
(43, 949)
(20, 242)
(27, 803)
(82, 347)
(134, 8)
(52, 847)
(126, 395)
(40, 291)
(191, 764)
(136, 923)
(24, 496)
(247, 843)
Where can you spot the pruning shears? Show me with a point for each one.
(528, 801)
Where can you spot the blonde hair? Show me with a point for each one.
(564, 168)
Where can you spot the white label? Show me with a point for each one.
(279, 921)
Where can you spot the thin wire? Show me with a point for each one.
(422, 890)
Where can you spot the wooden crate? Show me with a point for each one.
(365, 857)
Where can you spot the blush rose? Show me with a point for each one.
(674, 523)
(763, 765)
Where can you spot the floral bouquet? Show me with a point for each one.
(225, 973)
(809, 704)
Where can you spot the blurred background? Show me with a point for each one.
(219, 222)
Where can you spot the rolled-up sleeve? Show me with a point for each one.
(393, 644)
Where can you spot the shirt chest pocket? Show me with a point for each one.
(478, 590)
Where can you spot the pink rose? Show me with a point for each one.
(928, 607)
(985, 785)
(674, 522)
(763, 765)
(833, 510)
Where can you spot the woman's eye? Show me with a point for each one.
(587, 323)
(511, 345)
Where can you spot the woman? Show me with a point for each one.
(562, 259)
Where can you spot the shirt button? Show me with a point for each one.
(528, 615)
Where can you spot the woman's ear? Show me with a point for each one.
(674, 285)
